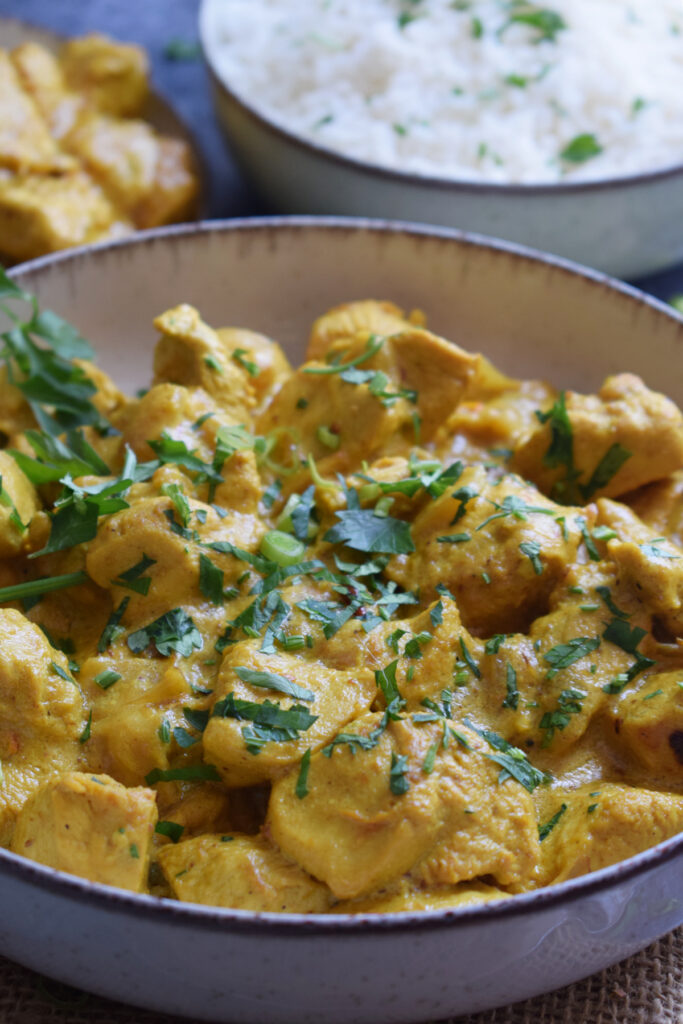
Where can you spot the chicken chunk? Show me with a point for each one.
(347, 320)
(499, 549)
(388, 800)
(243, 872)
(247, 742)
(41, 713)
(263, 359)
(149, 178)
(660, 506)
(41, 213)
(649, 564)
(25, 142)
(41, 75)
(91, 826)
(18, 505)
(605, 823)
(648, 724)
(617, 440)
(190, 353)
(112, 75)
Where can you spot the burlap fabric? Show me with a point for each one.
(647, 989)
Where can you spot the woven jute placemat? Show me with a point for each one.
(647, 989)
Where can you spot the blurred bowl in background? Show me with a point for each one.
(626, 226)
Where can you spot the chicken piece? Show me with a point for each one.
(493, 414)
(148, 177)
(191, 416)
(585, 653)
(248, 750)
(621, 438)
(406, 897)
(263, 359)
(25, 142)
(201, 807)
(112, 75)
(243, 872)
(151, 539)
(373, 812)
(42, 213)
(604, 823)
(41, 714)
(133, 717)
(499, 548)
(347, 320)
(189, 352)
(649, 564)
(41, 75)
(90, 826)
(660, 506)
(18, 505)
(648, 724)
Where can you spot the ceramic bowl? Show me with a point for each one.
(532, 316)
(629, 226)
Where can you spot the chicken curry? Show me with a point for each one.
(389, 631)
(78, 163)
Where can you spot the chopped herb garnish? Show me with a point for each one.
(270, 722)
(569, 703)
(512, 699)
(532, 549)
(271, 681)
(85, 735)
(454, 538)
(494, 643)
(113, 628)
(107, 678)
(581, 148)
(174, 631)
(362, 530)
(512, 760)
(398, 782)
(469, 660)
(564, 655)
(609, 465)
(653, 550)
(211, 580)
(545, 829)
(133, 579)
(171, 829)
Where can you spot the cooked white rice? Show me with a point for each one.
(464, 89)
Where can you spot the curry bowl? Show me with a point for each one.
(534, 316)
(625, 224)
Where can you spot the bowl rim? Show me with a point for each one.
(395, 175)
(172, 911)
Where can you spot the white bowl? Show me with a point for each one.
(627, 226)
(532, 316)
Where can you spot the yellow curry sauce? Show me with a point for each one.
(389, 631)
(77, 161)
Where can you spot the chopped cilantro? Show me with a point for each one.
(532, 549)
(133, 579)
(362, 530)
(398, 782)
(171, 829)
(569, 703)
(581, 148)
(563, 655)
(512, 699)
(545, 829)
(174, 631)
(211, 580)
(271, 681)
(191, 773)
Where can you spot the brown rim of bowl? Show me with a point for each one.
(157, 107)
(178, 913)
(412, 177)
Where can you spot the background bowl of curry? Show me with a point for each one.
(532, 315)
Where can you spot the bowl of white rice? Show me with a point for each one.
(558, 126)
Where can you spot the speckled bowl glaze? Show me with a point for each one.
(628, 226)
(532, 316)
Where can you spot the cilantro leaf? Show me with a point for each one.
(362, 530)
(512, 760)
(211, 580)
(563, 655)
(609, 465)
(174, 631)
(545, 829)
(271, 681)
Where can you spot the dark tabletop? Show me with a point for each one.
(157, 23)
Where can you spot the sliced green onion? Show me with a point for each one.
(36, 588)
(281, 548)
(327, 437)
